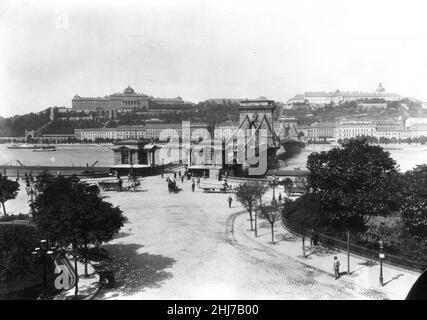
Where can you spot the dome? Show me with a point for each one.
(129, 90)
(380, 88)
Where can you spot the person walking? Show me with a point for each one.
(179, 173)
(193, 186)
(336, 268)
(280, 197)
(174, 175)
(182, 179)
(230, 200)
(120, 184)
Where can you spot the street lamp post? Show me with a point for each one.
(44, 253)
(382, 257)
(273, 183)
(30, 188)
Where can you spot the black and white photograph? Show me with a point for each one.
(213, 150)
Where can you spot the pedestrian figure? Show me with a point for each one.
(120, 184)
(193, 186)
(315, 238)
(174, 175)
(336, 268)
(280, 197)
(225, 185)
(179, 173)
(230, 200)
(162, 174)
(182, 179)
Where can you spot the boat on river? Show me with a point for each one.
(34, 147)
(21, 146)
(45, 149)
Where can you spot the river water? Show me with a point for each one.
(65, 155)
(406, 156)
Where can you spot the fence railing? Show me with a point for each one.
(336, 243)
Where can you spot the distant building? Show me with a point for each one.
(415, 122)
(320, 131)
(128, 100)
(148, 131)
(177, 100)
(223, 101)
(225, 129)
(56, 137)
(337, 97)
(353, 128)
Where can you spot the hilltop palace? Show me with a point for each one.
(127, 100)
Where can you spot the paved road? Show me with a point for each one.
(183, 246)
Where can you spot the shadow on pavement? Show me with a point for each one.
(122, 235)
(290, 237)
(394, 278)
(320, 251)
(135, 271)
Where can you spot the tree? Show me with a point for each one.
(16, 245)
(248, 194)
(414, 202)
(8, 190)
(353, 183)
(271, 213)
(72, 214)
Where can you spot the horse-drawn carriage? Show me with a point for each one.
(109, 185)
(214, 187)
(172, 187)
(119, 185)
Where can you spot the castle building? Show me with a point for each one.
(337, 97)
(125, 101)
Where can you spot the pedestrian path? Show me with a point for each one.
(363, 272)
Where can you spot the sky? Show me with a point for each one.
(199, 49)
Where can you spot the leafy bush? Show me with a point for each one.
(16, 245)
(12, 217)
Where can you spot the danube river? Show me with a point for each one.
(406, 156)
(65, 155)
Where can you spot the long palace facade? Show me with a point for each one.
(125, 101)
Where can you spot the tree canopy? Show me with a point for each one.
(8, 190)
(414, 204)
(249, 194)
(16, 244)
(272, 213)
(72, 214)
(353, 183)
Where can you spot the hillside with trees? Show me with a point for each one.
(15, 126)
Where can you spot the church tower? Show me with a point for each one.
(380, 88)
